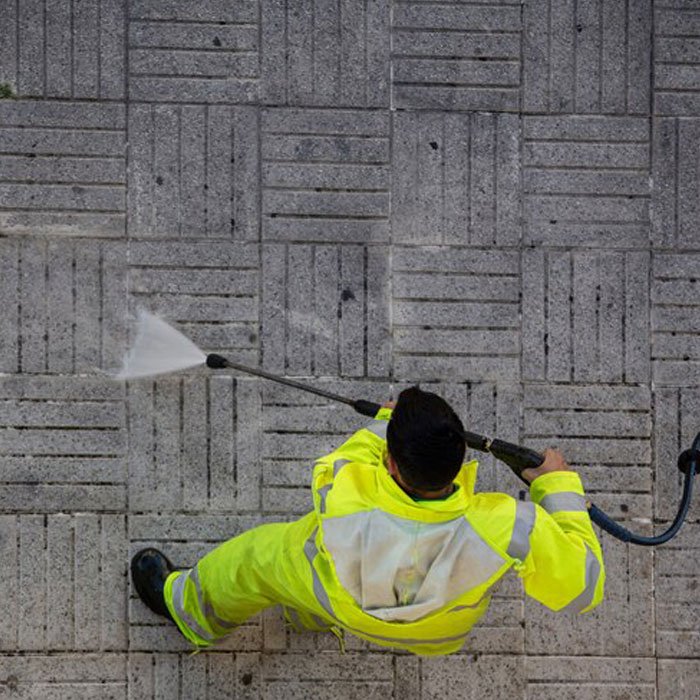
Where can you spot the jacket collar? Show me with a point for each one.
(392, 494)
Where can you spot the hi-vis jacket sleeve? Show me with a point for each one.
(563, 568)
(366, 444)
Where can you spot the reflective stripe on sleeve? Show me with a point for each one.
(584, 599)
(519, 546)
(378, 427)
(338, 465)
(566, 500)
(323, 492)
(178, 591)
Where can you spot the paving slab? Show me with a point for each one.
(677, 678)
(587, 57)
(676, 33)
(585, 316)
(63, 168)
(88, 676)
(585, 181)
(325, 309)
(443, 61)
(53, 50)
(677, 608)
(325, 54)
(675, 173)
(66, 581)
(590, 677)
(605, 432)
(456, 178)
(674, 318)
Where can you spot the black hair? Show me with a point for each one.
(425, 438)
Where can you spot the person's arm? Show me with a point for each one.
(366, 444)
(564, 568)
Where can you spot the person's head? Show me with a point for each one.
(425, 439)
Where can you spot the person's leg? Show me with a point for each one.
(236, 580)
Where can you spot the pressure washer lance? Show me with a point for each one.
(516, 457)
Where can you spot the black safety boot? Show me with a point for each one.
(149, 569)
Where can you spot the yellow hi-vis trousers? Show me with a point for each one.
(262, 567)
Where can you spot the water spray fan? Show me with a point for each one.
(160, 349)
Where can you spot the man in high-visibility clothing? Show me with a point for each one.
(398, 550)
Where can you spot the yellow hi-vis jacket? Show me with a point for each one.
(417, 574)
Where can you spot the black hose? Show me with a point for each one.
(689, 463)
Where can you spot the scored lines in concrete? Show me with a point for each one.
(325, 175)
(585, 316)
(676, 58)
(456, 179)
(64, 304)
(63, 168)
(496, 200)
(587, 57)
(61, 50)
(456, 57)
(585, 181)
(325, 309)
(193, 171)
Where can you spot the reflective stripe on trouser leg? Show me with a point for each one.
(233, 582)
(180, 599)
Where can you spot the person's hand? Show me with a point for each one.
(389, 404)
(553, 462)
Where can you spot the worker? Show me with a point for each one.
(399, 550)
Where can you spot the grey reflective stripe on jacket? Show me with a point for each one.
(310, 550)
(519, 546)
(399, 569)
(585, 598)
(323, 491)
(378, 427)
(565, 500)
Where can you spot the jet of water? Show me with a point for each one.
(158, 349)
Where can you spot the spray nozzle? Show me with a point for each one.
(216, 361)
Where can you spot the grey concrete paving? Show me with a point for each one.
(498, 200)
